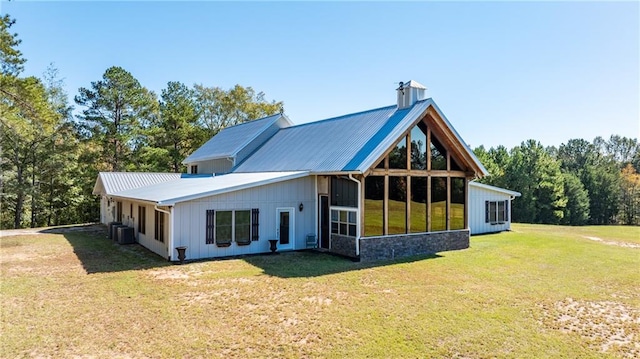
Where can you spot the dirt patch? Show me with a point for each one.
(607, 325)
(613, 243)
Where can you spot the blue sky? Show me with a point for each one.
(502, 72)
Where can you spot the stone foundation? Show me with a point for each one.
(391, 247)
(343, 245)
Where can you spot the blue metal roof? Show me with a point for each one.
(228, 142)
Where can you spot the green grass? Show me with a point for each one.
(522, 294)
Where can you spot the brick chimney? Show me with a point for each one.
(410, 93)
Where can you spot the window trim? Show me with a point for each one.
(339, 222)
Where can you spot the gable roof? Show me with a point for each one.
(231, 140)
(112, 182)
(189, 188)
(494, 189)
(350, 143)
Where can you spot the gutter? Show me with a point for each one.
(170, 239)
(358, 214)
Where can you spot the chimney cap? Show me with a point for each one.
(412, 83)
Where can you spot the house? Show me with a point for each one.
(490, 208)
(379, 184)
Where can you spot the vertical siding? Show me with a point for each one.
(213, 166)
(477, 198)
(190, 217)
(147, 239)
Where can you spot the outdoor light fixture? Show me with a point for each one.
(301, 207)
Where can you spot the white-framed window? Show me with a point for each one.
(344, 221)
(194, 169)
(496, 212)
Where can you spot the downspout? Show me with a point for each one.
(170, 239)
(358, 215)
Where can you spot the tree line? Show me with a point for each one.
(50, 157)
(577, 183)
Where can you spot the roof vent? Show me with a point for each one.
(410, 93)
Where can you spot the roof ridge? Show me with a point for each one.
(340, 117)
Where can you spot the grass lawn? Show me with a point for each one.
(536, 292)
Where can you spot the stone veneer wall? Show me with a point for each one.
(390, 247)
(343, 245)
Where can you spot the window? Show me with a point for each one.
(496, 212)
(131, 210)
(225, 227)
(418, 205)
(438, 155)
(373, 205)
(242, 227)
(397, 205)
(194, 169)
(159, 227)
(457, 203)
(142, 219)
(119, 211)
(398, 156)
(343, 222)
(418, 148)
(438, 204)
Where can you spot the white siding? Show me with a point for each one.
(147, 239)
(190, 217)
(477, 198)
(212, 166)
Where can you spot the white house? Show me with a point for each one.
(490, 208)
(383, 183)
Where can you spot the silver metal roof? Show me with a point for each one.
(350, 143)
(112, 182)
(185, 189)
(494, 188)
(323, 146)
(229, 141)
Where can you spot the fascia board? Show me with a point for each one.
(495, 189)
(392, 137)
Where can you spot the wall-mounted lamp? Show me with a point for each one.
(301, 207)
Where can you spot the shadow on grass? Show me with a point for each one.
(99, 254)
(314, 264)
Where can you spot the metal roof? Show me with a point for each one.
(111, 182)
(350, 143)
(323, 146)
(228, 142)
(189, 188)
(494, 188)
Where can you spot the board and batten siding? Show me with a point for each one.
(190, 217)
(477, 209)
(212, 166)
(147, 239)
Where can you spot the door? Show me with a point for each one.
(284, 228)
(324, 222)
